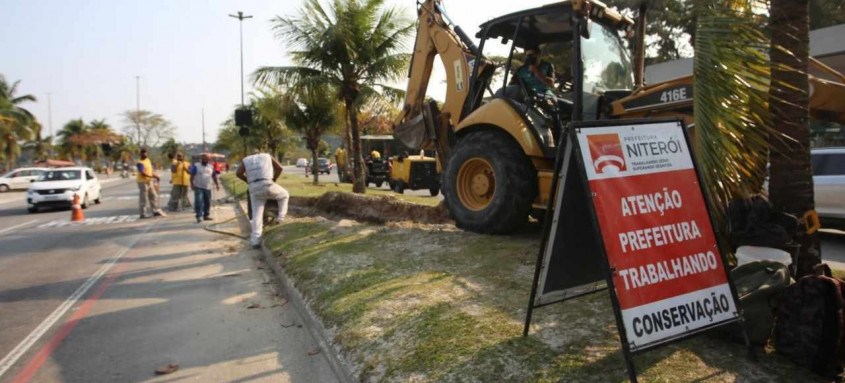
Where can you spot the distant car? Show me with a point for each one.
(19, 178)
(301, 163)
(56, 188)
(829, 185)
(324, 165)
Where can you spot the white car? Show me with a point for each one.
(829, 185)
(301, 163)
(56, 188)
(19, 178)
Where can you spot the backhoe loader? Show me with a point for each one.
(496, 136)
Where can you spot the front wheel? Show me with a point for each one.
(379, 183)
(33, 209)
(4, 188)
(489, 183)
(85, 202)
(399, 187)
(434, 190)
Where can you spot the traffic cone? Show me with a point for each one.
(76, 214)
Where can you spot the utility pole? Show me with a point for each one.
(204, 148)
(240, 16)
(138, 107)
(50, 120)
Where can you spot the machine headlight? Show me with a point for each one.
(75, 188)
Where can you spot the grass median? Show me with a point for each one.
(431, 303)
(436, 304)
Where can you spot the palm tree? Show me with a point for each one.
(791, 173)
(16, 122)
(39, 146)
(269, 126)
(351, 45)
(307, 112)
(71, 145)
(731, 74)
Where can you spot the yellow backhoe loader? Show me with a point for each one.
(498, 130)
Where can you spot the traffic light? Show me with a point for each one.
(243, 118)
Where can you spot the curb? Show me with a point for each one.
(318, 332)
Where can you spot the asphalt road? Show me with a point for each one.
(116, 297)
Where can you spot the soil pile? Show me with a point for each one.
(376, 209)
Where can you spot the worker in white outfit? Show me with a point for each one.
(260, 172)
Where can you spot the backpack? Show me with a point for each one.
(759, 286)
(810, 326)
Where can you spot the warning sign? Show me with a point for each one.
(666, 268)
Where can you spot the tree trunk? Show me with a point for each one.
(358, 176)
(791, 174)
(315, 167)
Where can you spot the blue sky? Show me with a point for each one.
(87, 54)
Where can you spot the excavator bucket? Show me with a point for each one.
(412, 133)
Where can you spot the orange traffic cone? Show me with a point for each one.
(77, 215)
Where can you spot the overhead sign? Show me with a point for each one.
(628, 213)
(666, 266)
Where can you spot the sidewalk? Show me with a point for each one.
(186, 296)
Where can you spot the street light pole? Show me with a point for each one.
(50, 120)
(204, 148)
(240, 16)
(138, 107)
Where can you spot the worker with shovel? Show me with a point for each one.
(260, 172)
(148, 194)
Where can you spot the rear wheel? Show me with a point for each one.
(378, 184)
(434, 190)
(399, 187)
(489, 183)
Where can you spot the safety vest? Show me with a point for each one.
(148, 170)
(182, 176)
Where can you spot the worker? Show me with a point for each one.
(375, 155)
(340, 159)
(260, 172)
(181, 180)
(147, 190)
(535, 73)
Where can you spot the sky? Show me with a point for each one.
(86, 55)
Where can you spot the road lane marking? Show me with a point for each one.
(133, 197)
(9, 360)
(8, 229)
(90, 221)
(28, 372)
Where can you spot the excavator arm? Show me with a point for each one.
(421, 124)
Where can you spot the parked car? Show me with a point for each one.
(324, 165)
(301, 163)
(829, 185)
(57, 187)
(19, 178)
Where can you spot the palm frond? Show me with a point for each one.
(732, 123)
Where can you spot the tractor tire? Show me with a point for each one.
(399, 187)
(434, 190)
(489, 183)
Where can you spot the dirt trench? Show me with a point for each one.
(374, 209)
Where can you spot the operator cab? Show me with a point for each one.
(606, 67)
